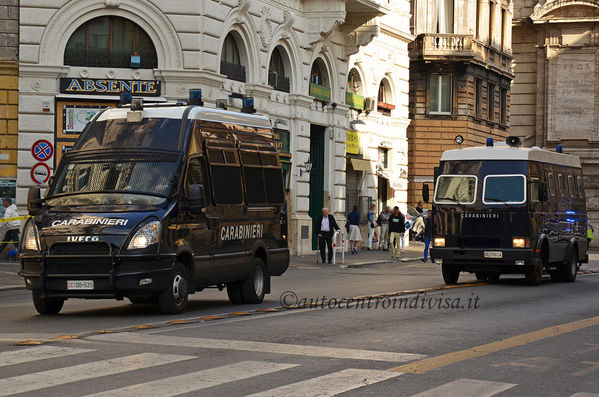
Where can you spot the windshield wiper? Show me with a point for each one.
(450, 199)
(496, 200)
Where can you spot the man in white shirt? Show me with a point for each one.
(12, 227)
(325, 228)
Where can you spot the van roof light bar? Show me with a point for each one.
(489, 142)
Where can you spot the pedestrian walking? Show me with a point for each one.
(326, 227)
(12, 227)
(397, 228)
(402, 241)
(428, 234)
(354, 235)
(383, 221)
(419, 207)
(590, 234)
(371, 225)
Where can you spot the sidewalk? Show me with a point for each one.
(364, 258)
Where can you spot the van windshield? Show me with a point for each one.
(114, 178)
(455, 189)
(504, 189)
(150, 133)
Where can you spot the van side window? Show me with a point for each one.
(196, 173)
(551, 183)
(560, 185)
(263, 178)
(571, 186)
(580, 187)
(226, 176)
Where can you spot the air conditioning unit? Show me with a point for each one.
(369, 104)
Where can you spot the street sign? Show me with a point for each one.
(42, 150)
(40, 173)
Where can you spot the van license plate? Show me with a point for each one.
(80, 284)
(493, 254)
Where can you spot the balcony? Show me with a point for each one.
(320, 92)
(106, 58)
(278, 82)
(354, 101)
(233, 71)
(459, 47)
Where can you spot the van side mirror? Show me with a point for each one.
(425, 193)
(34, 200)
(542, 191)
(197, 199)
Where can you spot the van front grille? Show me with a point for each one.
(479, 242)
(91, 248)
(78, 266)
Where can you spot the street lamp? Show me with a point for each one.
(307, 168)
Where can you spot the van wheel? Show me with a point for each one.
(253, 288)
(46, 305)
(451, 274)
(569, 269)
(534, 275)
(174, 299)
(234, 292)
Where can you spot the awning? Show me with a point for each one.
(395, 182)
(360, 164)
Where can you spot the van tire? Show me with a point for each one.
(534, 275)
(173, 300)
(234, 293)
(568, 270)
(253, 288)
(556, 275)
(451, 274)
(46, 305)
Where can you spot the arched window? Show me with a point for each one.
(319, 81)
(384, 100)
(110, 42)
(279, 70)
(353, 93)
(231, 63)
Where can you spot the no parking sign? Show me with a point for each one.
(42, 150)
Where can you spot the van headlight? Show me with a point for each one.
(439, 242)
(145, 236)
(31, 240)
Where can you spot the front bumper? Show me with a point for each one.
(114, 276)
(473, 259)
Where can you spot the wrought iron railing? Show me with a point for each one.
(278, 82)
(106, 58)
(233, 71)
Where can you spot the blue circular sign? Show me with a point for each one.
(42, 150)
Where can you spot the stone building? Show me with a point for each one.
(291, 56)
(460, 75)
(555, 92)
(9, 96)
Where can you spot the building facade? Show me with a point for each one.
(555, 94)
(9, 97)
(291, 56)
(460, 75)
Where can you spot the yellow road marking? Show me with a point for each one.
(65, 337)
(178, 322)
(143, 326)
(429, 364)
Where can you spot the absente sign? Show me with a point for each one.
(80, 86)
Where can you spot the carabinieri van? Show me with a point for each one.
(502, 208)
(157, 202)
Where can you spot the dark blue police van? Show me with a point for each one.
(502, 208)
(155, 203)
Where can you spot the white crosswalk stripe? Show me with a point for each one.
(198, 380)
(330, 384)
(262, 347)
(585, 395)
(75, 373)
(467, 388)
(29, 354)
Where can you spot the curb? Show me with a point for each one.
(12, 287)
(364, 264)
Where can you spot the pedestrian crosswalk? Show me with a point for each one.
(72, 370)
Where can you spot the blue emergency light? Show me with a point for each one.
(195, 97)
(559, 149)
(489, 142)
(125, 98)
(248, 105)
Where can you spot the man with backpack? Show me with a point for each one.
(397, 228)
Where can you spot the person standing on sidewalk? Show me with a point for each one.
(383, 221)
(397, 228)
(371, 225)
(326, 227)
(12, 227)
(402, 241)
(354, 235)
(428, 234)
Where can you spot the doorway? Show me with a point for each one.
(382, 193)
(317, 133)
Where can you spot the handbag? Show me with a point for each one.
(347, 226)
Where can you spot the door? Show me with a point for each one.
(352, 185)
(382, 193)
(316, 177)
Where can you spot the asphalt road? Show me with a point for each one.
(505, 339)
